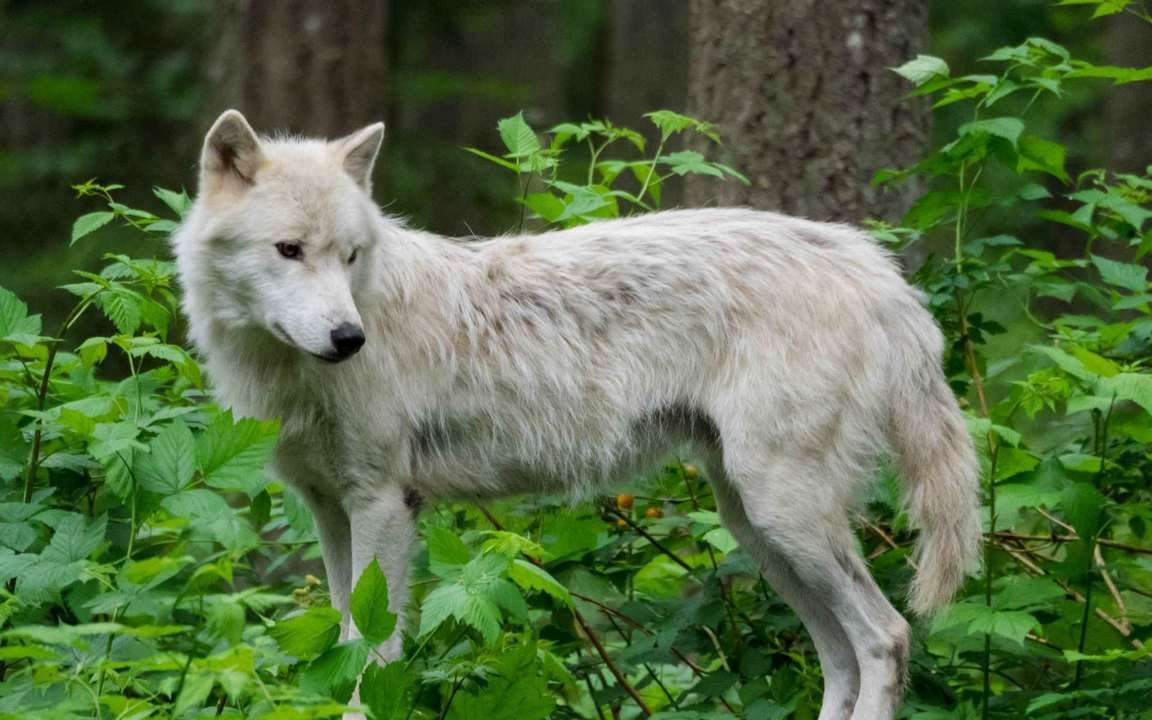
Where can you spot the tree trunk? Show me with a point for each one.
(317, 68)
(646, 67)
(1126, 106)
(806, 103)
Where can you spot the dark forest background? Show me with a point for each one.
(123, 91)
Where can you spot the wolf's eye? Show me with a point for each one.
(292, 251)
(352, 257)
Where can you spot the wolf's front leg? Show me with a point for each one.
(332, 526)
(383, 527)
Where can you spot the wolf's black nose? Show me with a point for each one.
(347, 339)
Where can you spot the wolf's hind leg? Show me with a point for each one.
(794, 506)
(837, 658)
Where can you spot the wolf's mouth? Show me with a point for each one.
(282, 335)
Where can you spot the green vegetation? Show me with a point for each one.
(150, 569)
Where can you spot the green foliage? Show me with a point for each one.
(1055, 626)
(149, 568)
(599, 193)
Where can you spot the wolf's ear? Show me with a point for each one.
(231, 155)
(360, 150)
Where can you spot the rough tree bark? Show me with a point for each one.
(804, 98)
(317, 68)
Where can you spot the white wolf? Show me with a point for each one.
(407, 366)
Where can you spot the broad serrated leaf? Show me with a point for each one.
(534, 577)
(335, 672)
(197, 504)
(1133, 387)
(923, 69)
(75, 539)
(369, 605)
(90, 223)
(14, 317)
(232, 455)
(1125, 275)
(1009, 128)
(308, 634)
(178, 202)
(385, 690)
(170, 463)
(446, 551)
(518, 136)
(197, 686)
(440, 604)
(517, 692)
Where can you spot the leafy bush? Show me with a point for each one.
(149, 568)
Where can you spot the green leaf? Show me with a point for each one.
(493, 159)
(178, 202)
(721, 539)
(1134, 387)
(546, 205)
(923, 69)
(670, 123)
(90, 223)
(1067, 362)
(690, 161)
(232, 455)
(75, 539)
(14, 318)
(974, 619)
(446, 551)
(518, 692)
(369, 605)
(385, 690)
(1120, 75)
(442, 603)
(1125, 275)
(198, 505)
(123, 308)
(334, 673)
(1009, 128)
(18, 535)
(197, 686)
(171, 462)
(518, 137)
(534, 577)
(309, 634)
(1036, 153)
(1095, 363)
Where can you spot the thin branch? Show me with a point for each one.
(888, 539)
(579, 617)
(612, 668)
(1124, 547)
(649, 537)
(1098, 556)
(1054, 520)
(1074, 594)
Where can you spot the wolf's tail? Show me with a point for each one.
(941, 473)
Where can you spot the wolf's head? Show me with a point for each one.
(282, 239)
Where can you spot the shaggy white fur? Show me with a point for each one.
(790, 352)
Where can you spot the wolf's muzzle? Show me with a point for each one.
(347, 339)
